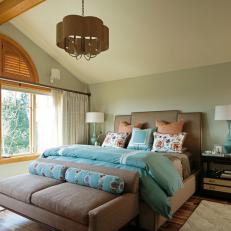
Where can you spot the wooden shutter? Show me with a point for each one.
(15, 62)
(0, 57)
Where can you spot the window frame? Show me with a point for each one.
(33, 90)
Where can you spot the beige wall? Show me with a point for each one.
(198, 89)
(7, 170)
(43, 61)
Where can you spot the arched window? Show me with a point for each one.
(15, 63)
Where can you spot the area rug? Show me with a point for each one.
(11, 222)
(209, 216)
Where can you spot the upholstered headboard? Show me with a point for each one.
(192, 125)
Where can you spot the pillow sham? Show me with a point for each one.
(115, 140)
(141, 139)
(125, 127)
(55, 171)
(97, 180)
(168, 142)
(169, 128)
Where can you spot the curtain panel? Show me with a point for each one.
(60, 120)
(75, 129)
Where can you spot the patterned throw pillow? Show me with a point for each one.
(141, 139)
(97, 180)
(55, 171)
(168, 142)
(115, 140)
(169, 128)
(125, 127)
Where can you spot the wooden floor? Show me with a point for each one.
(12, 222)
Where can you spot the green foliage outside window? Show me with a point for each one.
(15, 122)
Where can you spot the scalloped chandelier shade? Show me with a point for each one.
(82, 35)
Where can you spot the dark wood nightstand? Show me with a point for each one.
(211, 182)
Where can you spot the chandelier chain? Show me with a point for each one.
(82, 7)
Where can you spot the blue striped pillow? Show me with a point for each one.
(56, 171)
(97, 180)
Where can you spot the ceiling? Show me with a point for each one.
(146, 36)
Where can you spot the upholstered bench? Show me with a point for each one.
(71, 207)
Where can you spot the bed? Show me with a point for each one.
(187, 164)
(193, 126)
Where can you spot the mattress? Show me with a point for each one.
(182, 162)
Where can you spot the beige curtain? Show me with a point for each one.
(60, 120)
(48, 121)
(74, 108)
(57, 116)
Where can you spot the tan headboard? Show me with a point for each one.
(121, 118)
(193, 126)
(149, 118)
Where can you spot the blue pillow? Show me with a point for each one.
(56, 171)
(97, 180)
(141, 139)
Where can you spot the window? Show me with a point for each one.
(24, 123)
(15, 63)
(17, 102)
(16, 108)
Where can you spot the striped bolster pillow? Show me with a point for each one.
(56, 171)
(97, 180)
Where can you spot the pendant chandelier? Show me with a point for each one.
(82, 35)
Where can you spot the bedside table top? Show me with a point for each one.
(216, 157)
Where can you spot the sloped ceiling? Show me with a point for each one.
(146, 36)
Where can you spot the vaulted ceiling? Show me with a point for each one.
(146, 36)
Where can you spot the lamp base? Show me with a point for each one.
(93, 140)
(227, 145)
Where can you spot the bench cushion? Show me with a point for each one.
(71, 201)
(21, 187)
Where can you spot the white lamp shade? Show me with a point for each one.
(223, 112)
(94, 117)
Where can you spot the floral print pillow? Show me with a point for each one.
(115, 140)
(55, 171)
(168, 142)
(97, 180)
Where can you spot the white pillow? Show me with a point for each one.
(115, 140)
(168, 142)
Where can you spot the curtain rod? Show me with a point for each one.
(46, 86)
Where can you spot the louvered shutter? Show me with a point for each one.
(15, 63)
(0, 57)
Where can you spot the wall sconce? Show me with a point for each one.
(55, 75)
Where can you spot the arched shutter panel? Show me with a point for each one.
(0, 57)
(15, 63)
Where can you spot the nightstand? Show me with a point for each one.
(211, 182)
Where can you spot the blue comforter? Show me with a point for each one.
(159, 178)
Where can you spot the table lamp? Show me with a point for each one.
(94, 117)
(223, 112)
